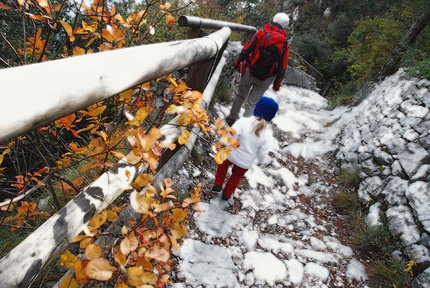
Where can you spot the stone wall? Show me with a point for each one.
(388, 143)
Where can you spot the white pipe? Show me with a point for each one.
(37, 94)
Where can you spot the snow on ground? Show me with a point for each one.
(268, 234)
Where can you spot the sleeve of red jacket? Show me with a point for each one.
(247, 49)
(282, 68)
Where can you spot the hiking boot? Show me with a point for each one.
(230, 121)
(225, 198)
(216, 188)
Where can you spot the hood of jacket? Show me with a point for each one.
(274, 27)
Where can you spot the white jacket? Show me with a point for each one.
(251, 146)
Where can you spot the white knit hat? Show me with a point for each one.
(282, 19)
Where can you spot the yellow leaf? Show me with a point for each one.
(69, 282)
(165, 6)
(91, 26)
(99, 269)
(97, 221)
(125, 246)
(120, 259)
(184, 138)
(189, 201)
(80, 275)
(162, 207)
(97, 111)
(179, 214)
(103, 134)
(137, 277)
(78, 51)
(174, 243)
(222, 155)
(140, 203)
(86, 242)
(178, 231)
(79, 238)
(111, 215)
(143, 180)
(171, 109)
(93, 251)
(68, 259)
(121, 284)
(124, 230)
(68, 29)
(117, 154)
(235, 143)
(126, 95)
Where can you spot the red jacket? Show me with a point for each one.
(279, 37)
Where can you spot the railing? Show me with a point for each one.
(55, 89)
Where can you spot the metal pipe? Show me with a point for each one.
(37, 94)
(197, 22)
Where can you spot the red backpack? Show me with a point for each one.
(264, 61)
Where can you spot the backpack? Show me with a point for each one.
(265, 59)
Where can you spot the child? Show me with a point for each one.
(254, 136)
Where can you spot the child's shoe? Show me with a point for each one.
(216, 188)
(225, 198)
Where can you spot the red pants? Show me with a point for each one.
(237, 174)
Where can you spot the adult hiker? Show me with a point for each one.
(262, 61)
(255, 138)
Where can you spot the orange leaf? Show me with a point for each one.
(37, 17)
(4, 7)
(68, 29)
(69, 281)
(86, 242)
(99, 269)
(80, 275)
(170, 20)
(87, 167)
(93, 251)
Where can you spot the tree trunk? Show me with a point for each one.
(393, 62)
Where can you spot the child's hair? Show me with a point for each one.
(260, 125)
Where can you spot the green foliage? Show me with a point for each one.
(370, 45)
(420, 69)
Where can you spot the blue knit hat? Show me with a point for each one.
(266, 108)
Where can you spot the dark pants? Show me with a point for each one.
(237, 174)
